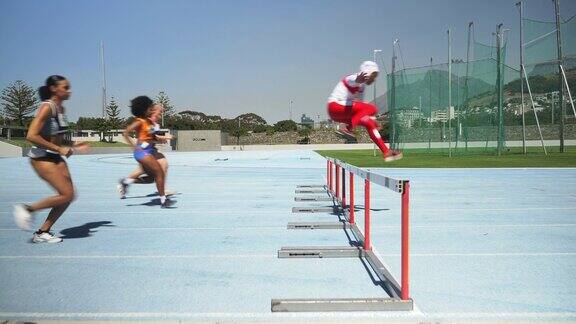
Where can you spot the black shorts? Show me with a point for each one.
(50, 157)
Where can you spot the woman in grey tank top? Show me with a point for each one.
(48, 132)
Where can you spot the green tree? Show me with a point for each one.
(102, 126)
(113, 113)
(19, 101)
(239, 132)
(285, 126)
(86, 123)
(164, 100)
(251, 121)
(270, 131)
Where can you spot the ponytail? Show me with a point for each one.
(44, 93)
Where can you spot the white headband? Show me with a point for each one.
(369, 67)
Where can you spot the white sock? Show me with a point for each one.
(162, 199)
(128, 181)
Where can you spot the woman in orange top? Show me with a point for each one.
(139, 176)
(145, 147)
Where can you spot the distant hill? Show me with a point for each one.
(550, 68)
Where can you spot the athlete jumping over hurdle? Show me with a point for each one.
(345, 106)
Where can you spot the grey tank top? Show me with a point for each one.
(56, 124)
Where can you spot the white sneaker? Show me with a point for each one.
(122, 189)
(168, 203)
(46, 237)
(23, 217)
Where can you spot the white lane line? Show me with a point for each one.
(191, 212)
(112, 228)
(181, 256)
(492, 209)
(507, 254)
(270, 316)
(283, 227)
(263, 210)
(264, 256)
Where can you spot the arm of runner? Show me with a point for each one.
(129, 130)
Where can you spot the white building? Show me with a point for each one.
(408, 116)
(442, 115)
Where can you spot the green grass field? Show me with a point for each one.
(25, 144)
(475, 158)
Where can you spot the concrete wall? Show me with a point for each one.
(198, 140)
(9, 150)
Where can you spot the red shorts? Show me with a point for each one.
(351, 115)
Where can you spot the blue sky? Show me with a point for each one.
(233, 57)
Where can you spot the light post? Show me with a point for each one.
(374, 88)
(374, 59)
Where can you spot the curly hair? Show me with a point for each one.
(140, 105)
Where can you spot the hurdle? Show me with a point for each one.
(399, 296)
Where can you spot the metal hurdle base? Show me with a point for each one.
(310, 191)
(315, 209)
(341, 304)
(312, 198)
(311, 186)
(318, 225)
(320, 252)
(393, 303)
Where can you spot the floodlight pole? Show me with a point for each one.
(430, 103)
(519, 5)
(392, 108)
(470, 26)
(449, 94)
(103, 65)
(500, 136)
(374, 100)
(560, 74)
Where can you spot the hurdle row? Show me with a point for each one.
(337, 173)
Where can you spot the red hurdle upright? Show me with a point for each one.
(343, 188)
(351, 205)
(337, 182)
(367, 243)
(405, 239)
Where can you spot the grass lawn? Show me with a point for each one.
(475, 158)
(24, 143)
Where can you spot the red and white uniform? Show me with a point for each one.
(345, 105)
(347, 91)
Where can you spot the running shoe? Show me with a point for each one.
(168, 203)
(122, 189)
(46, 237)
(392, 156)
